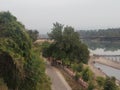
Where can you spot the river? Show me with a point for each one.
(106, 48)
(109, 70)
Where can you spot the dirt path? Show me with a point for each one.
(58, 81)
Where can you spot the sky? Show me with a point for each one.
(80, 14)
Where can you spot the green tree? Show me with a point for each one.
(67, 45)
(70, 43)
(56, 32)
(110, 84)
(33, 34)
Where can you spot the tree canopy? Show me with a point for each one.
(33, 34)
(67, 44)
(111, 32)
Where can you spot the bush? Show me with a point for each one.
(110, 84)
(91, 86)
(77, 76)
(100, 81)
(87, 74)
(79, 67)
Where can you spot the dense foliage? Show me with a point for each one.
(113, 32)
(87, 74)
(66, 46)
(110, 84)
(20, 66)
(34, 34)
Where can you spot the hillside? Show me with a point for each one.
(20, 66)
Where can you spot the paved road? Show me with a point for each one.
(58, 81)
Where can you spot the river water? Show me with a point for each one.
(109, 70)
(106, 48)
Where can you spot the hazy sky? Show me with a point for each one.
(81, 14)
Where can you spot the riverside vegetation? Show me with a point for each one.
(21, 67)
(73, 54)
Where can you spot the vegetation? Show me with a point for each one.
(111, 32)
(67, 46)
(91, 86)
(77, 67)
(100, 81)
(20, 66)
(103, 38)
(87, 74)
(110, 84)
(33, 34)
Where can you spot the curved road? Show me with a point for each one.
(58, 81)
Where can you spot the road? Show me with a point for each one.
(58, 81)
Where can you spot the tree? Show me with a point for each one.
(56, 32)
(33, 34)
(110, 84)
(70, 43)
(67, 45)
(46, 49)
